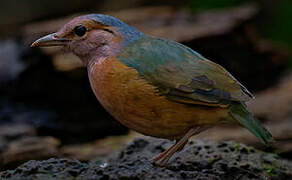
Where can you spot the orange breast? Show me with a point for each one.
(139, 106)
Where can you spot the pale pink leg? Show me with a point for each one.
(161, 155)
(162, 158)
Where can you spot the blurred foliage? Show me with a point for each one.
(198, 5)
(281, 27)
(278, 20)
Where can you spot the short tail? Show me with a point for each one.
(240, 113)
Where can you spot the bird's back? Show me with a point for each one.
(174, 68)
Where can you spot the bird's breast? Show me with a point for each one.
(139, 105)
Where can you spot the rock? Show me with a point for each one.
(28, 148)
(274, 104)
(20, 144)
(199, 160)
(15, 131)
(97, 149)
(52, 169)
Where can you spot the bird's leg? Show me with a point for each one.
(164, 153)
(162, 158)
(176, 147)
(161, 155)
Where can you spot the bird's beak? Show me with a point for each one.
(50, 40)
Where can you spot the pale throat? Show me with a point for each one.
(100, 54)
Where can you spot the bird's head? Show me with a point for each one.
(92, 36)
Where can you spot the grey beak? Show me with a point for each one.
(50, 40)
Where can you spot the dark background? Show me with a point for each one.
(45, 93)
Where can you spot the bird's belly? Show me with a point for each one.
(139, 106)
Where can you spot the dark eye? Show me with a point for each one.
(80, 30)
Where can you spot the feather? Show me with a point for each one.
(181, 73)
(240, 113)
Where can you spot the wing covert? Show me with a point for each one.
(181, 74)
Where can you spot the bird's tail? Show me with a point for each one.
(240, 113)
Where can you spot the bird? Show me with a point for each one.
(155, 86)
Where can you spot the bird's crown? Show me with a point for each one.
(128, 32)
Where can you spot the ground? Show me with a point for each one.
(199, 160)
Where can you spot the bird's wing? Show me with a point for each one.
(181, 74)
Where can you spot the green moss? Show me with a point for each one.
(236, 146)
(251, 149)
(211, 161)
(270, 169)
(276, 156)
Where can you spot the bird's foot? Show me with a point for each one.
(163, 158)
(160, 160)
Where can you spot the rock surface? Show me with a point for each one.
(27, 148)
(199, 160)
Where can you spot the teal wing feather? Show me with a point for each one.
(240, 113)
(182, 74)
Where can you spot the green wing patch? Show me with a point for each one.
(182, 74)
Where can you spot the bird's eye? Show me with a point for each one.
(80, 30)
